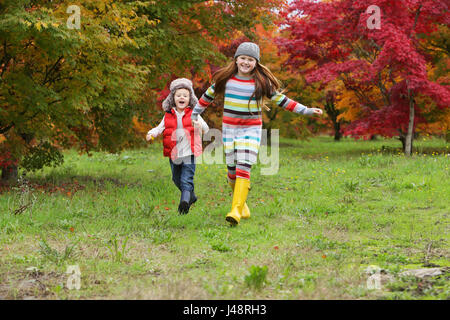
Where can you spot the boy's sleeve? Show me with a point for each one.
(159, 129)
(205, 127)
(282, 101)
(204, 101)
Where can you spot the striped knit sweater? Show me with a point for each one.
(238, 91)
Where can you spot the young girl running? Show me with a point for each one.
(181, 142)
(244, 85)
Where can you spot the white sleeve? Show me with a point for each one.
(158, 130)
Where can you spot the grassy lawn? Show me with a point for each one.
(332, 210)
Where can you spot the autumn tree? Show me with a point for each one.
(64, 87)
(194, 41)
(59, 83)
(340, 36)
(218, 27)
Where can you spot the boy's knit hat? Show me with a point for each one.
(249, 49)
(180, 83)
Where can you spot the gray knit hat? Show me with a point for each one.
(180, 83)
(249, 49)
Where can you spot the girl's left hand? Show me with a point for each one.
(317, 111)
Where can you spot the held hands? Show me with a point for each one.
(197, 125)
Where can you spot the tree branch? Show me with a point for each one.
(5, 60)
(383, 90)
(415, 20)
(48, 72)
(6, 129)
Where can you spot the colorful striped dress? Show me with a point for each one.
(242, 122)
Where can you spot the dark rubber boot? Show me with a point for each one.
(193, 199)
(183, 208)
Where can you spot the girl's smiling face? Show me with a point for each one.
(182, 98)
(245, 65)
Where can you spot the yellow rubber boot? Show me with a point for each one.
(239, 197)
(245, 214)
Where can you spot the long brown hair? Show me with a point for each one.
(265, 82)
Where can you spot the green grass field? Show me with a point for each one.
(332, 210)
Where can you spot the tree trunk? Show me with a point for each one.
(337, 131)
(410, 134)
(10, 174)
(402, 139)
(333, 114)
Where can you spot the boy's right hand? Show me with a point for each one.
(149, 137)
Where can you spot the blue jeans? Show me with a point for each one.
(183, 170)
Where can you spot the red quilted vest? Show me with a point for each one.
(170, 125)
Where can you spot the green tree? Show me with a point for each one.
(62, 87)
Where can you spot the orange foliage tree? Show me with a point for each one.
(201, 41)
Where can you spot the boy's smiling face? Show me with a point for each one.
(182, 98)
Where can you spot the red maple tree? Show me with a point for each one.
(390, 58)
